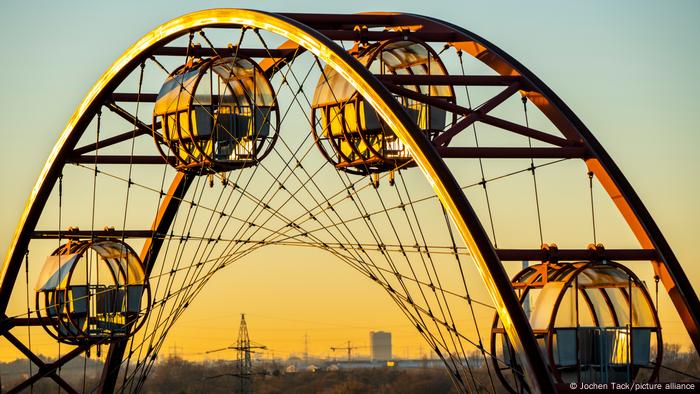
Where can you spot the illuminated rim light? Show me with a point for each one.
(425, 156)
(392, 116)
(344, 64)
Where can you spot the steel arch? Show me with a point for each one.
(295, 27)
(640, 221)
(378, 96)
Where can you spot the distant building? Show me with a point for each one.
(380, 344)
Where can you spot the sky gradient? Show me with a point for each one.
(627, 69)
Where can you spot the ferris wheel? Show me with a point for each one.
(406, 147)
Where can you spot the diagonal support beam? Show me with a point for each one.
(445, 138)
(166, 214)
(45, 370)
(61, 382)
(126, 115)
(525, 131)
(116, 140)
(22, 348)
(476, 116)
(272, 65)
(430, 100)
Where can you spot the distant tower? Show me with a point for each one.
(245, 365)
(380, 345)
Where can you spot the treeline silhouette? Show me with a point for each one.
(175, 375)
(179, 376)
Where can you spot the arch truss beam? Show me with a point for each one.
(318, 34)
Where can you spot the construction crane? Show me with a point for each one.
(244, 348)
(348, 348)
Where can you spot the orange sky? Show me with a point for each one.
(647, 124)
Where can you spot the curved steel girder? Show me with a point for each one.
(609, 175)
(599, 162)
(426, 156)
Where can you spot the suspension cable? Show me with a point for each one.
(371, 227)
(656, 292)
(481, 163)
(29, 331)
(534, 174)
(437, 277)
(687, 375)
(469, 299)
(92, 227)
(191, 263)
(60, 211)
(130, 181)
